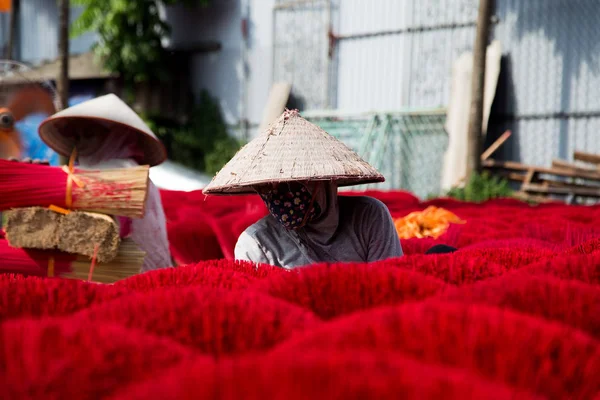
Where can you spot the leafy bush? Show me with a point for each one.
(223, 150)
(482, 187)
(130, 34)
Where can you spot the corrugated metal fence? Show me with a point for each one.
(398, 54)
(38, 32)
(549, 92)
(403, 145)
(385, 54)
(300, 50)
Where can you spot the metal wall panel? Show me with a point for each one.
(364, 17)
(553, 54)
(432, 56)
(300, 48)
(369, 74)
(585, 135)
(444, 12)
(38, 32)
(396, 54)
(550, 91)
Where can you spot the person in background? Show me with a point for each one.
(107, 134)
(296, 168)
(24, 105)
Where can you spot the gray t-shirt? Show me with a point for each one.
(364, 232)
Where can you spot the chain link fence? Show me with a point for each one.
(403, 146)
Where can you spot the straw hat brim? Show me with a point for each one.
(50, 130)
(249, 188)
(292, 149)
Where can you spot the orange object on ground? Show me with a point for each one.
(431, 222)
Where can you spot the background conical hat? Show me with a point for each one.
(108, 109)
(292, 149)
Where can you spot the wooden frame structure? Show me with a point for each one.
(563, 179)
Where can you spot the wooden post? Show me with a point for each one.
(477, 88)
(12, 30)
(63, 52)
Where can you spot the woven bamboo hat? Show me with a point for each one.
(292, 149)
(108, 110)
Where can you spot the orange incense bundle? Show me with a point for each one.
(119, 192)
(431, 222)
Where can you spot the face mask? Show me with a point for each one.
(291, 204)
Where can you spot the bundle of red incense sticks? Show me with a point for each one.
(120, 192)
(45, 263)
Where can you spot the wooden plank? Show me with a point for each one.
(278, 98)
(572, 167)
(530, 197)
(475, 129)
(512, 176)
(516, 177)
(81, 66)
(13, 16)
(495, 146)
(490, 150)
(62, 78)
(538, 188)
(587, 157)
(545, 184)
(529, 176)
(515, 166)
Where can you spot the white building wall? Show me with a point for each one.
(222, 72)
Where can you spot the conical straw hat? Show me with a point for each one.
(108, 109)
(292, 149)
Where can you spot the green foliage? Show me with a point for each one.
(482, 187)
(203, 142)
(223, 150)
(130, 34)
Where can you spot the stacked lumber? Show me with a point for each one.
(577, 180)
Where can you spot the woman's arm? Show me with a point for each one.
(248, 249)
(383, 239)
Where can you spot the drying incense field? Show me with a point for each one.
(515, 313)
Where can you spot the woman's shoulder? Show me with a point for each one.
(362, 204)
(263, 226)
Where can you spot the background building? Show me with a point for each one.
(358, 56)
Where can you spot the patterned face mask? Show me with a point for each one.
(292, 205)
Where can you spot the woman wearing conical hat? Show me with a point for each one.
(108, 134)
(296, 168)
